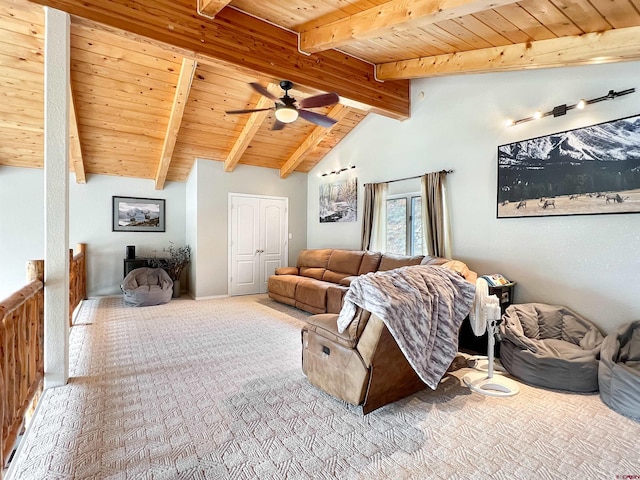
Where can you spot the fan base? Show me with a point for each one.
(496, 386)
(481, 363)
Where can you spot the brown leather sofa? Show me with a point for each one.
(321, 277)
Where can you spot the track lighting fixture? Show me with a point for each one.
(563, 109)
(339, 171)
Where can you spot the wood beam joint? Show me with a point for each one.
(210, 8)
(338, 112)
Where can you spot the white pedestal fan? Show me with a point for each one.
(485, 315)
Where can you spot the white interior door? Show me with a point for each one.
(245, 241)
(273, 235)
(258, 235)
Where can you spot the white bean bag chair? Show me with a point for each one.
(550, 346)
(619, 371)
(147, 286)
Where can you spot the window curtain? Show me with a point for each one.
(435, 215)
(374, 217)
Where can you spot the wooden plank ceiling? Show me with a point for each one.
(151, 80)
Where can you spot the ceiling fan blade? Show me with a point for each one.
(317, 118)
(233, 112)
(278, 125)
(263, 91)
(322, 100)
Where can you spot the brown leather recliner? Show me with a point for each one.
(362, 366)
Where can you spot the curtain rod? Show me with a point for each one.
(446, 172)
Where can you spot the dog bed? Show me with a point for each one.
(550, 346)
(147, 286)
(619, 371)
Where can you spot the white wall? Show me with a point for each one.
(588, 263)
(196, 214)
(90, 205)
(212, 186)
(191, 225)
(21, 225)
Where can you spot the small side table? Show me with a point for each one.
(504, 294)
(133, 263)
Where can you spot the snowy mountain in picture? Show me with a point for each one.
(613, 141)
(552, 175)
(129, 214)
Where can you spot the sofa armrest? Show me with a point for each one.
(335, 295)
(346, 281)
(326, 325)
(287, 271)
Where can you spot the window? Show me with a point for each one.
(397, 225)
(404, 224)
(417, 235)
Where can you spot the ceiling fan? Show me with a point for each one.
(286, 110)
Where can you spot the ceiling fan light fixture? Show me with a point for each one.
(285, 108)
(286, 114)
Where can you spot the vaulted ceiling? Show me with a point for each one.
(151, 80)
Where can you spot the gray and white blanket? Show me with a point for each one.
(422, 306)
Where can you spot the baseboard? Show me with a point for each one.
(210, 297)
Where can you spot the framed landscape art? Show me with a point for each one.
(338, 201)
(131, 214)
(586, 171)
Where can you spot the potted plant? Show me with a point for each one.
(174, 262)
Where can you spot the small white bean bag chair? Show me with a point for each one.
(550, 346)
(619, 372)
(147, 286)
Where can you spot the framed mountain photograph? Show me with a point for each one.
(138, 214)
(586, 171)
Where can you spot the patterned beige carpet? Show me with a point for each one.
(214, 390)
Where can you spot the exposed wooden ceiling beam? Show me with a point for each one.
(210, 8)
(387, 18)
(256, 119)
(75, 150)
(245, 43)
(175, 119)
(315, 137)
(617, 45)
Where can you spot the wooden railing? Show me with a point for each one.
(22, 342)
(21, 354)
(77, 278)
